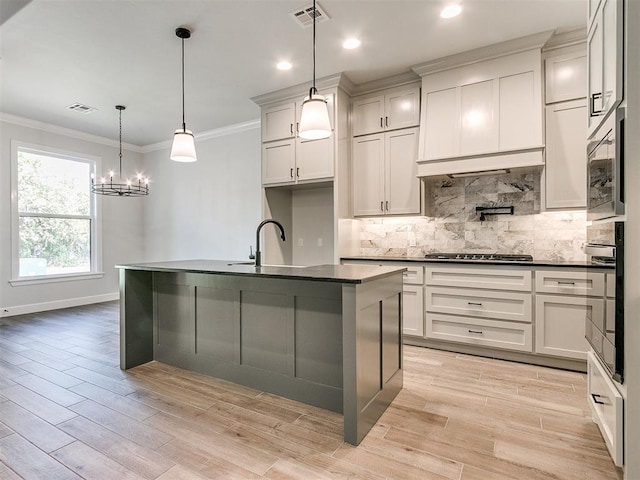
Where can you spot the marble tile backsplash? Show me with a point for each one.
(452, 224)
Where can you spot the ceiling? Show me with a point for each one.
(107, 52)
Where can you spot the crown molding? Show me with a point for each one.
(566, 37)
(67, 132)
(508, 47)
(294, 92)
(401, 79)
(218, 132)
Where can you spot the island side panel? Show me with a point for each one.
(136, 318)
(282, 336)
(372, 352)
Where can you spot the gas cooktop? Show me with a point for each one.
(487, 257)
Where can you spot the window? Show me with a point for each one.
(54, 221)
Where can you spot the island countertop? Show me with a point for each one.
(323, 273)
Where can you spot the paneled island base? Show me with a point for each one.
(329, 336)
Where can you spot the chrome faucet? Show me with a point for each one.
(262, 224)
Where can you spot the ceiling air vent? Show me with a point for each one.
(304, 16)
(81, 108)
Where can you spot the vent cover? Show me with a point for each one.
(81, 108)
(304, 16)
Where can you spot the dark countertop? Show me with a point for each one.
(534, 263)
(322, 273)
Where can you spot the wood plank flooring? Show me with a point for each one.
(67, 411)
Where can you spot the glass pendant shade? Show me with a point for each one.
(183, 148)
(314, 120)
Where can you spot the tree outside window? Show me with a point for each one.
(55, 213)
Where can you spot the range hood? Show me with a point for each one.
(482, 164)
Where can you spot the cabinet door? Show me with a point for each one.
(368, 175)
(402, 185)
(565, 77)
(566, 165)
(278, 122)
(278, 162)
(368, 115)
(402, 109)
(519, 112)
(413, 310)
(612, 49)
(314, 159)
(560, 324)
(441, 127)
(477, 130)
(594, 63)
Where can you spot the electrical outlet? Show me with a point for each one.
(319, 242)
(300, 242)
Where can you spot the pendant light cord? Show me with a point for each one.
(313, 88)
(184, 125)
(120, 137)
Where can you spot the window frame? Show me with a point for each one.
(95, 230)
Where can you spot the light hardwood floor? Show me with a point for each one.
(68, 411)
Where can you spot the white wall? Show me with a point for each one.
(207, 209)
(121, 221)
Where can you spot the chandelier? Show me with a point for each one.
(112, 185)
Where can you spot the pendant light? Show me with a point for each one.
(183, 148)
(314, 120)
(119, 186)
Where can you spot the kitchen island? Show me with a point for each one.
(326, 335)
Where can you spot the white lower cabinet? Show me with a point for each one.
(498, 314)
(564, 298)
(480, 331)
(413, 310)
(560, 324)
(607, 406)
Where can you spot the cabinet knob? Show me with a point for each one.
(382, 206)
(386, 121)
(298, 172)
(381, 125)
(387, 205)
(596, 399)
(291, 173)
(477, 304)
(291, 128)
(477, 332)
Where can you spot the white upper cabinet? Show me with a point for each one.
(278, 122)
(605, 61)
(385, 173)
(566, 76)
(396, 108)
(288, 160)
(565, 170)
(482, 116)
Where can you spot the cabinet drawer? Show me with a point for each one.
(479, 303)
(606, 406)
(570, 283)
(611, 285)
(518, 279)
(479, 331)
(413, 276)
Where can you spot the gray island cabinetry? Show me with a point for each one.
(327, 335)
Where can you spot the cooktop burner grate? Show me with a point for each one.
(486, 257)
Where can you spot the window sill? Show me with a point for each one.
(71, 277)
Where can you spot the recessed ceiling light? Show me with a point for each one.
(351, 43)
(283, 65)
(451, 11)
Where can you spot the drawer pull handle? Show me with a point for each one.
(478, 304)
(595, 397)
(566, 283)
(479, 332)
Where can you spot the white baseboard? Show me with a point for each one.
(57, 304)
